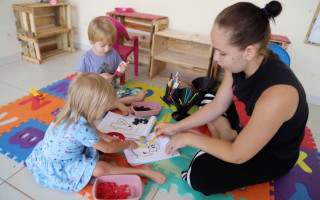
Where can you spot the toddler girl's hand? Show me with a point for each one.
(132, 145)
(107, 76)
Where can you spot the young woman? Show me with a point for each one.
(260, 140)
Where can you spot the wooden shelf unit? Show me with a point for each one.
(42, 18)
(44, 30)
(176, 51)
(44, 48)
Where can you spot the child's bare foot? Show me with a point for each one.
(153, 175)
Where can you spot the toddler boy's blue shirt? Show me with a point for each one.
(90, 62)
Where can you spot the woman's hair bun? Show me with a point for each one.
(272, 9)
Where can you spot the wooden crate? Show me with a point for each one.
(144, 26)
(176, 51)
(42, 19)
(44, 48)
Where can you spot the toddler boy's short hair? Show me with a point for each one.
(102, 29)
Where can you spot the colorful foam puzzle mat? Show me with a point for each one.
(24, 122)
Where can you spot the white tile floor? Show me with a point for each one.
(16, 79)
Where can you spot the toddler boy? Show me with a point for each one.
(104, 60)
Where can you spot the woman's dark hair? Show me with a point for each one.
(249, 24)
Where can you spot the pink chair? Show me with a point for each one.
(125, 50)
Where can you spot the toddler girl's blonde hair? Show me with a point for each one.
(102, 30)
(90, 96)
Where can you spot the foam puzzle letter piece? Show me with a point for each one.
(301, 193)
(58, 89)
(149, 92)
(28, 107)
(25, 137)
(36, 104)
(308, 140)
(15, 150)
(86, 190)
(285, 186)
(302, 164)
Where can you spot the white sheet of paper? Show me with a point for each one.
(126, 125)
(155, 152)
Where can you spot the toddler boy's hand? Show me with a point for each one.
(123, 67)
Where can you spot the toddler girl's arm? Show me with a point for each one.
(113, 147)
(106, 137)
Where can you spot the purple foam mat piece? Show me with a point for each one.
(287, 187)
(20, 142)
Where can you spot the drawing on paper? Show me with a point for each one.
(121, 124)
(148, 151)
(131, 127)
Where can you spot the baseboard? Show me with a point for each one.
(9, 59)
(313, 99)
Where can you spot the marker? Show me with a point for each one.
(142, 146)
(152, 140)
(193, 97)
(192, 85)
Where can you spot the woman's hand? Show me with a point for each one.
(177, 142)
(107, 76)
(165, 129)
(132, 145)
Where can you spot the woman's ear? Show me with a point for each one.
(250, 52)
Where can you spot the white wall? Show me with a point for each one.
(194, 16)
(10, 48)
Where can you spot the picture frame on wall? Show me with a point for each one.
(313, 35)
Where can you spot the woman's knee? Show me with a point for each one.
(203, 177)
(223, 129)
(205, 185)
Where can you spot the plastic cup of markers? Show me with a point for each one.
(204, 85)
(181, 113)
(184, 99)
